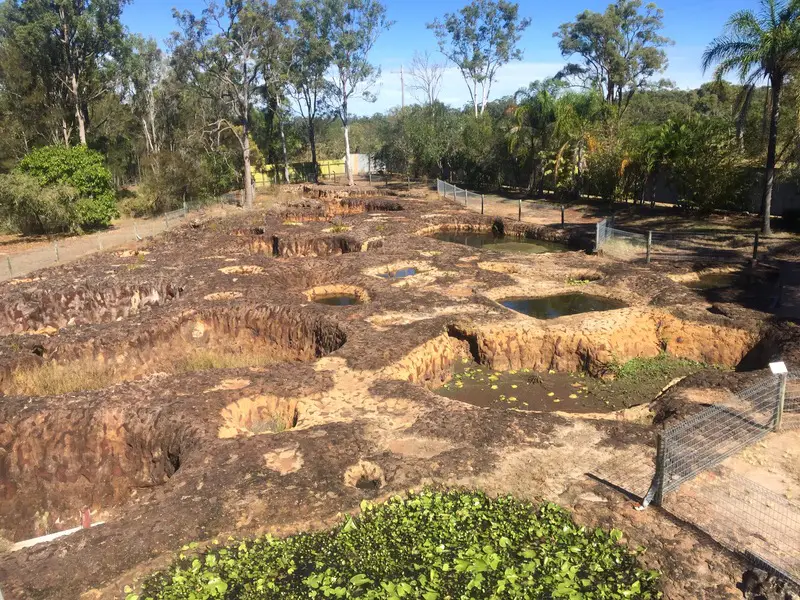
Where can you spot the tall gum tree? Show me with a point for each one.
(479, 39)
(224, 54)
(354, 28)
(620, 49)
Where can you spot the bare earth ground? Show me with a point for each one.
(228, 402)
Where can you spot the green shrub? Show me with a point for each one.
(81, 169)
(430, 546)
(27, 207)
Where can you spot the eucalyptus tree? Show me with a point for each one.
(620, 50)
(70, 47)
(479, 39)
(311, 61)
(762, 46)
(224, 53)
(355, 26)
(426, 77)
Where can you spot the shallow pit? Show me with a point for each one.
(257, 416)
(212, 339)
(365, 476)
(552, 307)
(523, 389)
(337, 295)
(399, 273)
(501, 243)
(338, 300)
(46, 311)
(54, 463)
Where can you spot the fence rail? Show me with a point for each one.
(473, 199)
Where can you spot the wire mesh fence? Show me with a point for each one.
(73, 248)
(744, 516)
(691, 477)
(647, 246)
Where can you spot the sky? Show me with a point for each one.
(691, 24)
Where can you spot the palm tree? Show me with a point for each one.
(763, 46)
(534, 119)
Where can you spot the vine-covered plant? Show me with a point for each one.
(431, 546)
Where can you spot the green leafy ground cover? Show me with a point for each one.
(431, 546)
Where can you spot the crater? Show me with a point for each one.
(365, 476)
(494, 240)
(45, 310)
(313, 246)
(53, 463)
(338, 295)
(552, 307)
(258, 415)
(213, 339)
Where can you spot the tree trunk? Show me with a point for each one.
(312, 138)
(65, 131)
(475, 96)
(248, 178)
(79, 118)
(769, 182)
(286, 177)
(347, 169)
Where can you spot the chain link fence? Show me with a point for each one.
(707, 246)
(72, 248)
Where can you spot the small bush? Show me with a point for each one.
(27, 207)
(430, 546)
(82, 170)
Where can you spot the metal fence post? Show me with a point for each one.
(481, 203)
(781, 401)
(466, 197)
(656, 492)
(166, 220)
(8, 262)
(649, 245)
(454, 193)
(755, 248)
(519, 209)
(185, 210)
(658, 498)
(597, 236)
(56, 247)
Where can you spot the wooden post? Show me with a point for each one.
(466, 196)
(481, 203)
(562, 215)
(519, 210)
(454, 193)
(649, 245)
(408, 182)
(56, 247)
(8, 262)
(369, 167)
(755, 248)
(781, 401)
(166, 220)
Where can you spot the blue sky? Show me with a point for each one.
(690, 23)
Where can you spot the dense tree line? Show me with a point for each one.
(247, 84)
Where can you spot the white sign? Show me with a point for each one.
(778, 368)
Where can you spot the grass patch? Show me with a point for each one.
(54, 379)
(660, 367)
(430, 546)
(640, 380)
